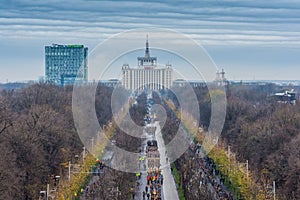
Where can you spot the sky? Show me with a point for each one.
(257, 39)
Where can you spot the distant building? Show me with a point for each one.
(65, 63)
(110, 82)
(192, 83)
(147, 75)
(286, 97)
(220, 78)
(180, 82)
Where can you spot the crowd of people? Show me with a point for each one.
(154, 185)
(91, 189)
(208, 175)
(153, 190)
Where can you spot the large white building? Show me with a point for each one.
(147, 75)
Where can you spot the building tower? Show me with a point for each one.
(220, 78)
(223, 75)
(147, 53)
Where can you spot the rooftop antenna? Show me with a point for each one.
(147, 54)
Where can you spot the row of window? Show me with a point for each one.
(62, 67)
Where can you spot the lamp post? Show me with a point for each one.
(92, 143)
(229, 153)
(246, 165)
(46, 195)
(247, 168)
(69, 171)
(48, 191)
(75, 164)
(274, 190)
(83, 154)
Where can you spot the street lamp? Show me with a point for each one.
(92, 144)
(274, 190)
(83, 154)
(56, 181)
(69, 171)
(76, 158)
(43, 195)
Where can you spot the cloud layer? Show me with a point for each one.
(210, 22)
(249, 38)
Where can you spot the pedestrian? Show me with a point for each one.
(146, 189)
(148, 196)
(144, 195)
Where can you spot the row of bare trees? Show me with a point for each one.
(266, 133)
(37, 135)
(261, 130)
(114, 184)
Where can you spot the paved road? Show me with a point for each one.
(169, 190)
(143, 166)
(169, 187)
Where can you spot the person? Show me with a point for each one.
(148, 196)
(146, 189)
(144, 195)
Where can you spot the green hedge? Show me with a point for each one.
(177, 181)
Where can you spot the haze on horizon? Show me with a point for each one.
(249, 39)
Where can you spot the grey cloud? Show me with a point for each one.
(90, 18)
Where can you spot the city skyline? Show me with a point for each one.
(250, 40)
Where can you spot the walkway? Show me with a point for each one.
(169, 187)
(143, 166)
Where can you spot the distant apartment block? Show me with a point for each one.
(66, 63)
(147, 75)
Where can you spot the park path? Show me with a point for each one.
(169, 186)
(142, 182)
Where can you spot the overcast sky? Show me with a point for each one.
(257, 39)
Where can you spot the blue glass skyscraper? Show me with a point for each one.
(66, 63)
